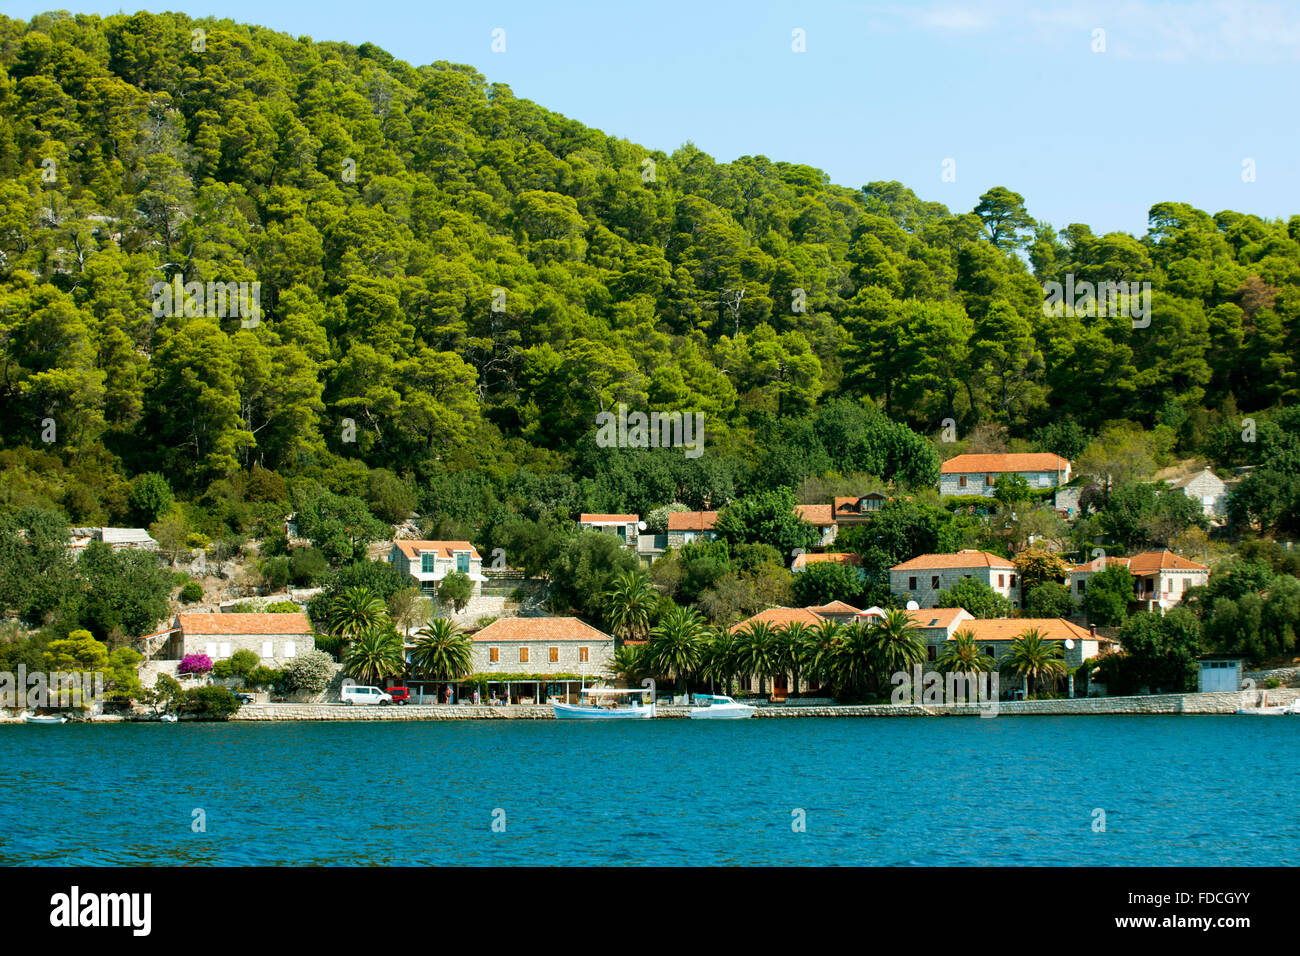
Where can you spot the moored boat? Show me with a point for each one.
(719, 707)
(44, 719)
(602, 703)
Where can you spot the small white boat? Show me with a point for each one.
(719, 707)
(602, 703)
(1274, 711)
(45, 719)
(169, 718)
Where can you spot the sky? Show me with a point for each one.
(1093, 112)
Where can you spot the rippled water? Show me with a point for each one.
(1175, 791)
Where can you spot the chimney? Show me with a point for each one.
(1092, 630)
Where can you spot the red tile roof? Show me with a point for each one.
(1009, 628)
(1097, 564)
(243, 624)
(444, 549)
(962, 559)
(692, 520)
(1148, 562)
(984, 464)
(835, 607)
(819, 515)
(607, 519)
(779, 617)
(938, 616)
(555, 629)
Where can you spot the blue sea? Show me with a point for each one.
(1054, 791)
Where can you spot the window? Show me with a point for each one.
(584, 655)
(988, 650)
(494, 654)
(462, 561)
(268, 648)
(523, 655)
(931, 652)
(428, 563)
(988, 481)
(934, 582)
(290, 649)
(225, 649)
(554, 655)
(911, 584)
(1081, 586)
(1013, 580)
(1001, 580)
(961, 481)
(210, 650)
(1043, 480)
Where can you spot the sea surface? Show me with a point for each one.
(1008, 791)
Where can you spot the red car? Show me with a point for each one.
(400, 695)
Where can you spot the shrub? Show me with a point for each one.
(275, 573)
(213, 702)
(195, 664)
(166, 694)
(310, 672)
(192, 592)
(485, 620)
(330, 644)
(282, 607)
(243, 662)
(263, 677)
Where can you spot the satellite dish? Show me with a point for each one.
(1069, 644)
(913, 606)
(640, 525)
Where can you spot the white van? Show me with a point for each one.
(356, 694)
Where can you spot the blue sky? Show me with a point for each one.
(1013, 93)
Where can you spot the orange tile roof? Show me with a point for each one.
(835, 607)
(1148, 562)
(444, 549)
(977, 464)
(692, 520)
(779, 617)
(1009, 628)
(839, 557)
(243, 624)
(1096, 564)
(850, 503)
(557, 629)
(820, 515)
(937, 616)
(962, 559)
(607, 519)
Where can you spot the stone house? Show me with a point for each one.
(1160, 578)
(275, 638)
(978, 474)
(923, 577)
(855, 510)
(1205, 488)
(431, 561)
(822, 518)
(119, 539)
(994, 636)
(686, 527)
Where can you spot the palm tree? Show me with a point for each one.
(794, 640)
(355, 611)
(442, 652)
(630, 603)
(677, 643)
(758, 652)
(628, 663)
(1034, 660)
(897, 644)
(720, 660)
(853, 660)
(818, 652)
(961, 655)
(374, 655)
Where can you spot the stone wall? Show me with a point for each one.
(1226, 703)
(1285, 676)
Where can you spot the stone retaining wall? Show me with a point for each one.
(1224, 703)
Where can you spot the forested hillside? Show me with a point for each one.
(469, 279)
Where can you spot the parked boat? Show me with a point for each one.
(44, 719)
(169, 718)
(603, 703)
(718, 707)
(1276, 710)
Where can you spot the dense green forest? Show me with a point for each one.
(454, 282)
